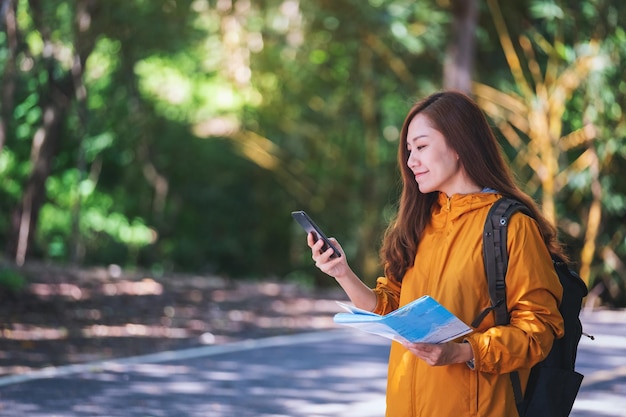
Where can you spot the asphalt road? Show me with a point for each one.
(337, 373)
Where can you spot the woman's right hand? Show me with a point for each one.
(359, 293)
(335, 267)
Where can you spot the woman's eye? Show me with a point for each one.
(415, 148)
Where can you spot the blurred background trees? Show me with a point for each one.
(179, 135)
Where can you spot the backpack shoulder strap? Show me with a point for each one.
(496, 260)
(495, 254)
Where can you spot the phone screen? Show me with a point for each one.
(310, 227)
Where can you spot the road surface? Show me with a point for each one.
(332, 373)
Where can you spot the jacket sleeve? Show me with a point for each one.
(387, 292)
(533, 294)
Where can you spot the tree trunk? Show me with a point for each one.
(366, 258)
(83, 45)
(459, 60)
(43, 150)
(56, 99)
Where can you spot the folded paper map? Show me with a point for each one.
(423, 320)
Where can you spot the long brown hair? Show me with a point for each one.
(467, 131)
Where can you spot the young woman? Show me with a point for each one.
(452, 172)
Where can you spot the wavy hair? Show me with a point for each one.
(466, 130)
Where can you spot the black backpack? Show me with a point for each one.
(553, 383)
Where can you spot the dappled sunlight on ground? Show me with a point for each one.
(69, 315)
(309, 374)
(26, 332)
(313, 375)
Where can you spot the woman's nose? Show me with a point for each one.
(413, 161)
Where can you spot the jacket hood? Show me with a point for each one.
(450, 208)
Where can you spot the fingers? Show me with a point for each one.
(316, 248)
(322, 258)
(432, 354)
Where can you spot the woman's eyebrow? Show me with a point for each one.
(413, 139)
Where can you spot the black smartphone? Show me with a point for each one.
(310, 227)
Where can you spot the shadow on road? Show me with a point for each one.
(340, 372)
(323, 374)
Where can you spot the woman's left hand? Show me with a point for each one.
(441, 353)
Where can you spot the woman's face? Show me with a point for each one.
(435, 165)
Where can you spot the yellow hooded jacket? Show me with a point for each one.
(449, 267)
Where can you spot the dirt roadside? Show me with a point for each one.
(70, 315)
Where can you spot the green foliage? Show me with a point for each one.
(100, 225)
(11, 280)
(207, 122)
